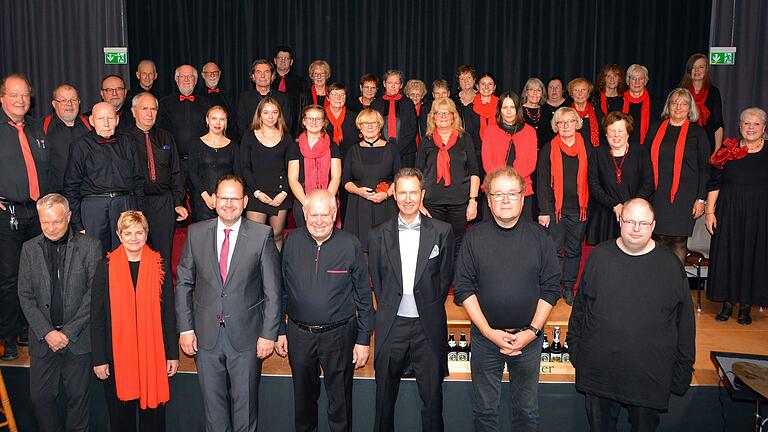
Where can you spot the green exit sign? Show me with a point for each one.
(115, 55)
(722, 56)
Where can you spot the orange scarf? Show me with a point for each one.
(137, 331)
(487, 112)
(582, 187)
(590, 114)
(700, 98)
(645, 110)
(678, 163)
(338, 133)
(443, 157)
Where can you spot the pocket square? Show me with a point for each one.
(435, 252)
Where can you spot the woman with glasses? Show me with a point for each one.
(679, 153)
(342, 130)
(319, 73)
(580, 90)
(616, 172)
(611, 85)
(448, 161)
(369, 169)
(416, 90)
(563, 192)
(369, 85)
(313, 163)
(638, 103)
(400, 126)
(555, 98)
(532, 98)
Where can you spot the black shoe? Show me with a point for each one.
(9, 356)
(744, 318)
(725, 312)
(23, 340)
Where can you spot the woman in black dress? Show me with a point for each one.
(342, 130)
(611, 85)
(580, 90)
(264, 160)
(737, 211)
(555, 98)
(679, 157)
(481, 114)
(416, 90)
(213, 156)
(533, 96)
(369, 85)
(638, 103)
(367, 175)
(698, 81)
(466, 76)
(617, 172)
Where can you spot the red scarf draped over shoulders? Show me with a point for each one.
(678, 160)
(486, 111)
(700, 100)
(443, 157)
(645, 110)
(590, 114)
(336, 122)
(558, 147)
(317, 162)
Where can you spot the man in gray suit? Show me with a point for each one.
(55, 277)
(233, 267)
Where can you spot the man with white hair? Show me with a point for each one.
(182, 113)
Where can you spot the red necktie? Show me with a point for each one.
(150, 158)
(281, 86)
(224, 255)
(29, 161)
(182, 98)
(214, 91)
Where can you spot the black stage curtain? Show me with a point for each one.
(426, 39)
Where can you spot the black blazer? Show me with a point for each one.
(433, 278)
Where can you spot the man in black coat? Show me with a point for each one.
(262, 75)
(411, 264)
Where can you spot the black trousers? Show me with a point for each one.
(408, 342)
(307, 353)
(122, 414)
(12, 321)
(100, 215)
(45, 373)
(567, 235)
(603, 413)
(454, 214)
(162, 223)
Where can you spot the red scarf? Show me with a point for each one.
(730, 150)
(678, 163)
(392, 115)
(443, 157)
(418, 113)
(487, 112)
(137, 336)
(314, 96)
(582, 187)
(317, 162)
(700, 98)
(645, 110)
(338, 133)
(589, 113)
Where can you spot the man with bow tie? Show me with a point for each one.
(411, 264)
(104, 177)
(211, 89)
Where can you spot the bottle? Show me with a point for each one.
(463, 351)
(566, 355)
(545, 353)
(452, 348)
(556, 349)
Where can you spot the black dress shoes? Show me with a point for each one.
(725, 312)
(744, 318)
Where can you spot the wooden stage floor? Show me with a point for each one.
(711, 335)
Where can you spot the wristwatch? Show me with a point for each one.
(702, 201)
(535, 331)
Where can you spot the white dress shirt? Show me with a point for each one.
(409, 250)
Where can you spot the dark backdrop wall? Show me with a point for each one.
(427, 39)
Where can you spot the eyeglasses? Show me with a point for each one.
(370, 88)
(314, 119)
(72, 101)
(317, 74)
(213, 73)
(186, 77)
(113, 89)
(512, 196)
(228, 200)
(337, 94)
(443, 114)
(369, 124)
(565, 122)
(283, 58)
(636, 224)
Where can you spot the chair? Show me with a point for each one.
(697, 259)
(5, 408)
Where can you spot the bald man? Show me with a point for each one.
(146, 73)
(104, 177)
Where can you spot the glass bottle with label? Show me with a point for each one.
(463, 351)
(452, 347)
(556, 349)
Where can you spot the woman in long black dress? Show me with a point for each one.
(264, 160)
(617, 172)
(679, 157)
(367, 175)
(698, 81)
(611, 85)
(213, 156)
(737, 211)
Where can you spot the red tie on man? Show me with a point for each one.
(29, 161)
(150, 158)
(224, 255)
(182, 98)
(281, 87)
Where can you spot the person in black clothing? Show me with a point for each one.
(133, 329)
(216, 95)
(555, 98)
(213, 156)
(164, 191)
(508, 304)
(319, 73)
(416, 90)
(616, 173)
(104, 178)
(632, 354)
(61, 129)
(262, 75)
(24, 160)
(113, 91)
(369, 85)
(288, 82)
(611, 85)
(580, 90)
(342, 129)
(639, 104)
(146, 73)
(400, 125)
(440, 89)
(697, 79)
(327, 295)
(481, 114)
(466, 77)
(451, 175)
(532, 98)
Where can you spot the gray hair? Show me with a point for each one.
(560, 113)
(693, 112)
(536, 83)
(51, 200)
(141, 95)
(176, 73)
(391, 72)
(638, 68)
(320, 195)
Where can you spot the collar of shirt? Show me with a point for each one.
(235, 228)
(415, 225)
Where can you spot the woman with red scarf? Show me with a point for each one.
(314, 162)
(133, 329)
(447, 159)
(563, 192)
(400, 126)
(737, 210)
(319, 72)
(481, 114)
(611, 85)
(511, 142)
(369, 85)
(342, 129)
(416, 90)
(698, 81)
(369, 169)
(580, 90)
(679, 151)
(638, 103)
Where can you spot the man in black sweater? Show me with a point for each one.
(630, 352)
(507, 278)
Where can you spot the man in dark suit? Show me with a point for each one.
(233, 267)
(55, 277)
(411, 264)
